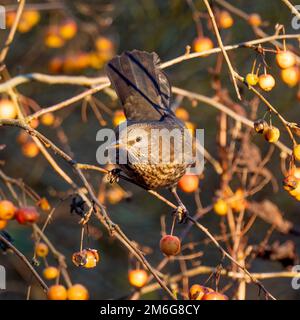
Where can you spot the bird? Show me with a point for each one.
(143, 154)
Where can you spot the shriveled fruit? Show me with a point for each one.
(290, 183)
(87, 258)
(260, 126)
(78, 292)
(50, 273)
(252, 79)
(170, 245)
(266, 82)
(57, 292)
(221, 207)
(27, 215)
(138, 277)
(41, 250)
(272, 134)
(285, 59)
(188, 183)
(197, 292)
(7, 210)
(202, 44)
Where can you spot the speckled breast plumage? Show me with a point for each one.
(153, 176)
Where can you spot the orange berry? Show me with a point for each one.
(137, 278)
(55, 65)
(3, 224)
(87, 258)
(57, 292)
(104, 44)
(266, 82)
(7, 210)
(221, 207)
(30, 149)
(251, 79)
(225, 20)
(34, 123)
(83, 60)
(272, 134)
(170, 245)
(290, 76)
(7, 109)
(197, 292)
(95, 60)
(214, 296)
(24, 26)
(188, 183)
(285, 59)
(296, 152)
(27, 215)
(202, 44)
(254, 20)
(238, 202)
(50, 273)
(182, 114)
(115, 195)
(44, 204)
(28, 20)
(23, 137)
(190, 126)
(41, 249)
(31, 16)
(10, 18)
(53, 39)
(47, 119)
(78, 292)
(118, 117)
(68, 29)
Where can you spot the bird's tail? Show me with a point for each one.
(138, 80)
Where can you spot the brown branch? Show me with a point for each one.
(12, 32)
(25, 261)
(220, 42)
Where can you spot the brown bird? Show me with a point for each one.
(153, 160)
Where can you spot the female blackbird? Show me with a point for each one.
(153, 147)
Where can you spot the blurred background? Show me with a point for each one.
(165, 27)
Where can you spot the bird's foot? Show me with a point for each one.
(181, 214)
(113, 175)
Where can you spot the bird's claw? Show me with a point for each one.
(113, 175)
(181, 214)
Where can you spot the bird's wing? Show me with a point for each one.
(140, 84)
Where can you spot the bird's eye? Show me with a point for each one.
(138, 139)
